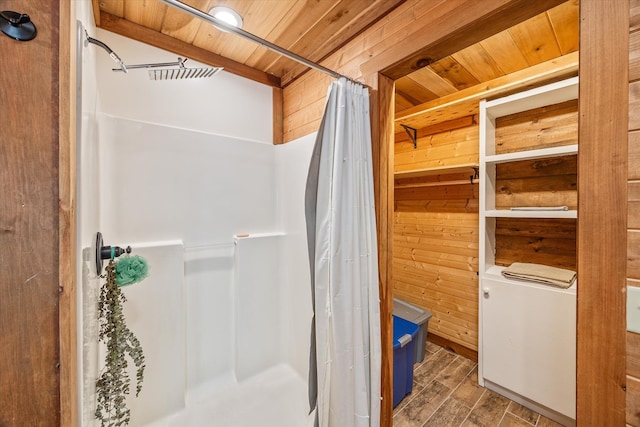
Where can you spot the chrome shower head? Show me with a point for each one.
(183, 73)
(159, 71)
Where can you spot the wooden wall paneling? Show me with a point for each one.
(634, 155)
(634, 105)
(277, 116)
(431, 130)
(69, 409)
(30, 383)
(633, 350)
(457, 147)
(634, 15)
(633, 397)
(633, 209)
(550, 126)
(602, 180)
(633, 254)
(551, 182)
(634, 55)
(545, 241)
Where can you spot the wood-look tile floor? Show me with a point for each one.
(446, 393)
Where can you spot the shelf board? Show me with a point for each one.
(533, 154)
(504, 213)
(441, 170)
(436, 183)
(553, 93)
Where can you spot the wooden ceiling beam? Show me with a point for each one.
(154, 38)
(466, 101)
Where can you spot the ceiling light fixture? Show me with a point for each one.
(227, 15)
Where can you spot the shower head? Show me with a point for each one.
(183, 73)
(160, 71)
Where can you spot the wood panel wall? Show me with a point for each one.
(37, 243)
(435, 243)
(633, 219)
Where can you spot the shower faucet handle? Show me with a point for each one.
(110, 252)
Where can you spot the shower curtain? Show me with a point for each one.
(345, 358)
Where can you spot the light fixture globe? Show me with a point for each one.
(227, 15)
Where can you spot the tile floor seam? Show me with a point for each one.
(503, 415)
(520, 418)
(473, 407)
(441, 403)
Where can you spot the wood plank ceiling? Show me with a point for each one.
(315, 29)
(312, 29)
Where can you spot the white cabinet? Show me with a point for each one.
(527, 330)
(528, 343)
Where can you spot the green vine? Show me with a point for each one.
(112, 386)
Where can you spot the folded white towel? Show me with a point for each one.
(538, 273)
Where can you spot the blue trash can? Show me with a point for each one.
(404, 354)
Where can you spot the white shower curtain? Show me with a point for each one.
(344, 377)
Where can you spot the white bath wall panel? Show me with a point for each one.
(258, 305)
(224, 104)
(210, 312)
(161, 183)
(155, 313)
(292, 165)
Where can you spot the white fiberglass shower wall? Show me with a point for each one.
(182, 168)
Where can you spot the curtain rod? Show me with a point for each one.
(221, 25)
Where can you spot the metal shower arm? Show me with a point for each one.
(111, 53)
(179, 63)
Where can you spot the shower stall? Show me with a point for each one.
(185, 173)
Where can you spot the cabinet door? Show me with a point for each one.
(528, 342)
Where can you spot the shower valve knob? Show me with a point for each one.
(108, 252)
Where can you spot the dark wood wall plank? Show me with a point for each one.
(29, 282)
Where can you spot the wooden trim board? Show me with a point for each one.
(602, 207)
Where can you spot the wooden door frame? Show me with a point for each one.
(602, 198)
(67, 222)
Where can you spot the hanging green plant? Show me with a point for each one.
(112, 386)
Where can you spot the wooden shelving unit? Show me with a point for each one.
(527, 330)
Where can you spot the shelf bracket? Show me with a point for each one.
(413, 134)
(476, 174)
